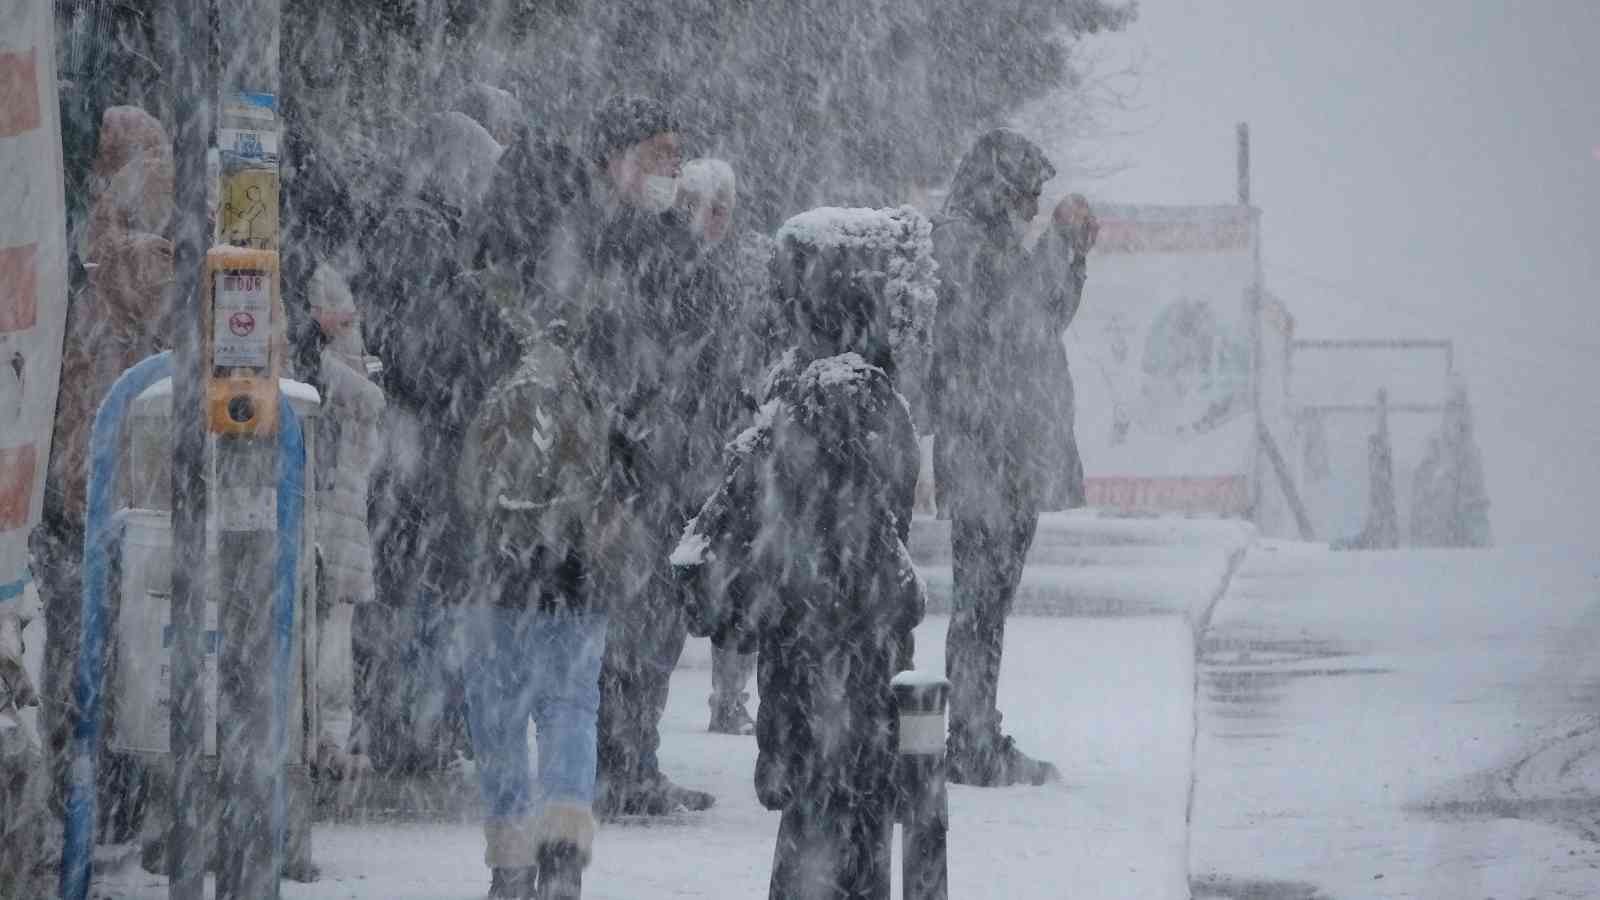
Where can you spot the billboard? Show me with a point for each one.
(1161, 354)
(33, 272)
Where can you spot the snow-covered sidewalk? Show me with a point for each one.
(1108, 697)
(1110, 701)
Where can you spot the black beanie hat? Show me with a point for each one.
(623, 121)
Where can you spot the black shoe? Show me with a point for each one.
(731, 717)
(560, 872)
(512, 884)
(995, 761)
(655, 796)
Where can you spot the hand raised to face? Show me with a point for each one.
(1077, 222)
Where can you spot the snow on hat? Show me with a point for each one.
(707, 178)
(623, 121)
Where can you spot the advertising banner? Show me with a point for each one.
(33, 273)
(1161, 356)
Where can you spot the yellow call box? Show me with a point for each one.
(245, 342)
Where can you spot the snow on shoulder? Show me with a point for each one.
(692, 549)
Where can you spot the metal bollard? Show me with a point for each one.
(924, 806)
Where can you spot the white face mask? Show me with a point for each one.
(660, 192)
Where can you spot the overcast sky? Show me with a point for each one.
(1425, 169)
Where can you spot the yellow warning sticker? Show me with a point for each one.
(249, 213)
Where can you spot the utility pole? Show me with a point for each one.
(188, 55)
(246, 347)
(1253, 308)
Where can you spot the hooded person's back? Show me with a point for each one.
(440, 342)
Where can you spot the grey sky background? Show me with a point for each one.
(1425, 169)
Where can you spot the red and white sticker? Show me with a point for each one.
(242, 330)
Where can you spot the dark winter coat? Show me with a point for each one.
(1000, 392)
(801, 553)
(652, 340)
(534, 239)
(442, 341)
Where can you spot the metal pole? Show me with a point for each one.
(188, 59)
(924, 805)
(249, 766)
(1243, 132)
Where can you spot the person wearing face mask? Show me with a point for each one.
(707, 196)
(347, 448)
(642, 343)
(1000, 398)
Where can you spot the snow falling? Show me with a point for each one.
(838, 449)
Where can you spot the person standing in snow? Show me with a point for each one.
(347, 446)
(116, 320)
(535, 629)
(645, 338)
(442, 345)
(707, 196)
(1000, 398)
(801, 553)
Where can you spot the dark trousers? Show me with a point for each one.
(645, 639)
(988, 556)
(410, 694)
(827, 738)
(833, 844)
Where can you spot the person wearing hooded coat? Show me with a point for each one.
(1000, 399)
(442, 346)
(116, 319)
(708, 197)
(801, 555)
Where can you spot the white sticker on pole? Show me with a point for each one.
(256, 144)
(242, 327)
(922, 734)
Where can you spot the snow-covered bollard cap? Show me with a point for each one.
(920, 699)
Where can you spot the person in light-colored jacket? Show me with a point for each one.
(347, 448)
(708, 195)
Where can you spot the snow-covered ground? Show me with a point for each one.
(1110, 699)
(1412, 724)
(1368, 725)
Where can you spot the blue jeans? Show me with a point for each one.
(521, 664)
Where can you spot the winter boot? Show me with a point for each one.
(512, 884)
(566, 841)
(652, 795)
(729, 715)
(509, 851)
(993, 760)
